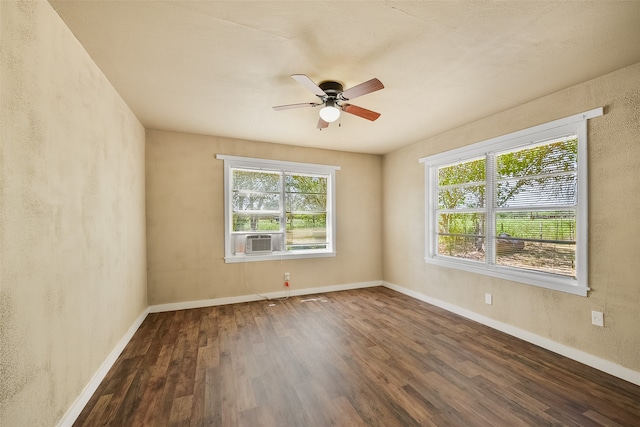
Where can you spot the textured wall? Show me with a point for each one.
(72, 241)
(614, 229)
(185, 221)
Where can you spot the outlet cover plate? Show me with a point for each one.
(597, 318)
(488, 299)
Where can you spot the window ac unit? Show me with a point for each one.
(258, 244)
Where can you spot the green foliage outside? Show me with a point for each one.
(538, 167)
(554, 226)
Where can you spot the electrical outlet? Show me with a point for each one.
(488, 299)
(597, 318)
(287, 276)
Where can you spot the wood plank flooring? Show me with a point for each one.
(367, 357)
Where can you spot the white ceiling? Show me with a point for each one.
(217, 67)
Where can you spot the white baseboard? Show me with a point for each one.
(76, 408)
(257, 297)
(570, 352)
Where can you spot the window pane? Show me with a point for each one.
(306, 193)
(464, 197)
(461, 235)
(541, 241)
(548, 158)
(297, 202)
(255, 202)
(461, 186)
(258, 181)
(543, 175)
(557, 190)
(306, 231)
(256, 222)
(310, 184)
(462, 173)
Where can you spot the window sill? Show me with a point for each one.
(278, 256)
(539, 279)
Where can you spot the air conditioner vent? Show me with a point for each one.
(258, 244)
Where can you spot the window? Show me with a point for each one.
(276, 209)
(514, 207)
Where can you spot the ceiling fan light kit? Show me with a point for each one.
(330, 113)
(332, 95)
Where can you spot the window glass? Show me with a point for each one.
(537, 240)
(535, 180)
(256, 200)
(461, 235)
(543, 175)
(460, 216)
(306, 211)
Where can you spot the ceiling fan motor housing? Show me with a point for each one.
(331, 88)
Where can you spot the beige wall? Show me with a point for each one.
(72, 220)
(185, 221)
(614, 229)
(72, 231)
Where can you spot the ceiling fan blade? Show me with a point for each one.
(309, 84)
(360, 112)
(322, 124)
(362, 89)
(289, 106)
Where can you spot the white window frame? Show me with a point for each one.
(572, 125)
(231, 162)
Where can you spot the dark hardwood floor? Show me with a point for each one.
(368, 357)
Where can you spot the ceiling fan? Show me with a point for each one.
(333, 97)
